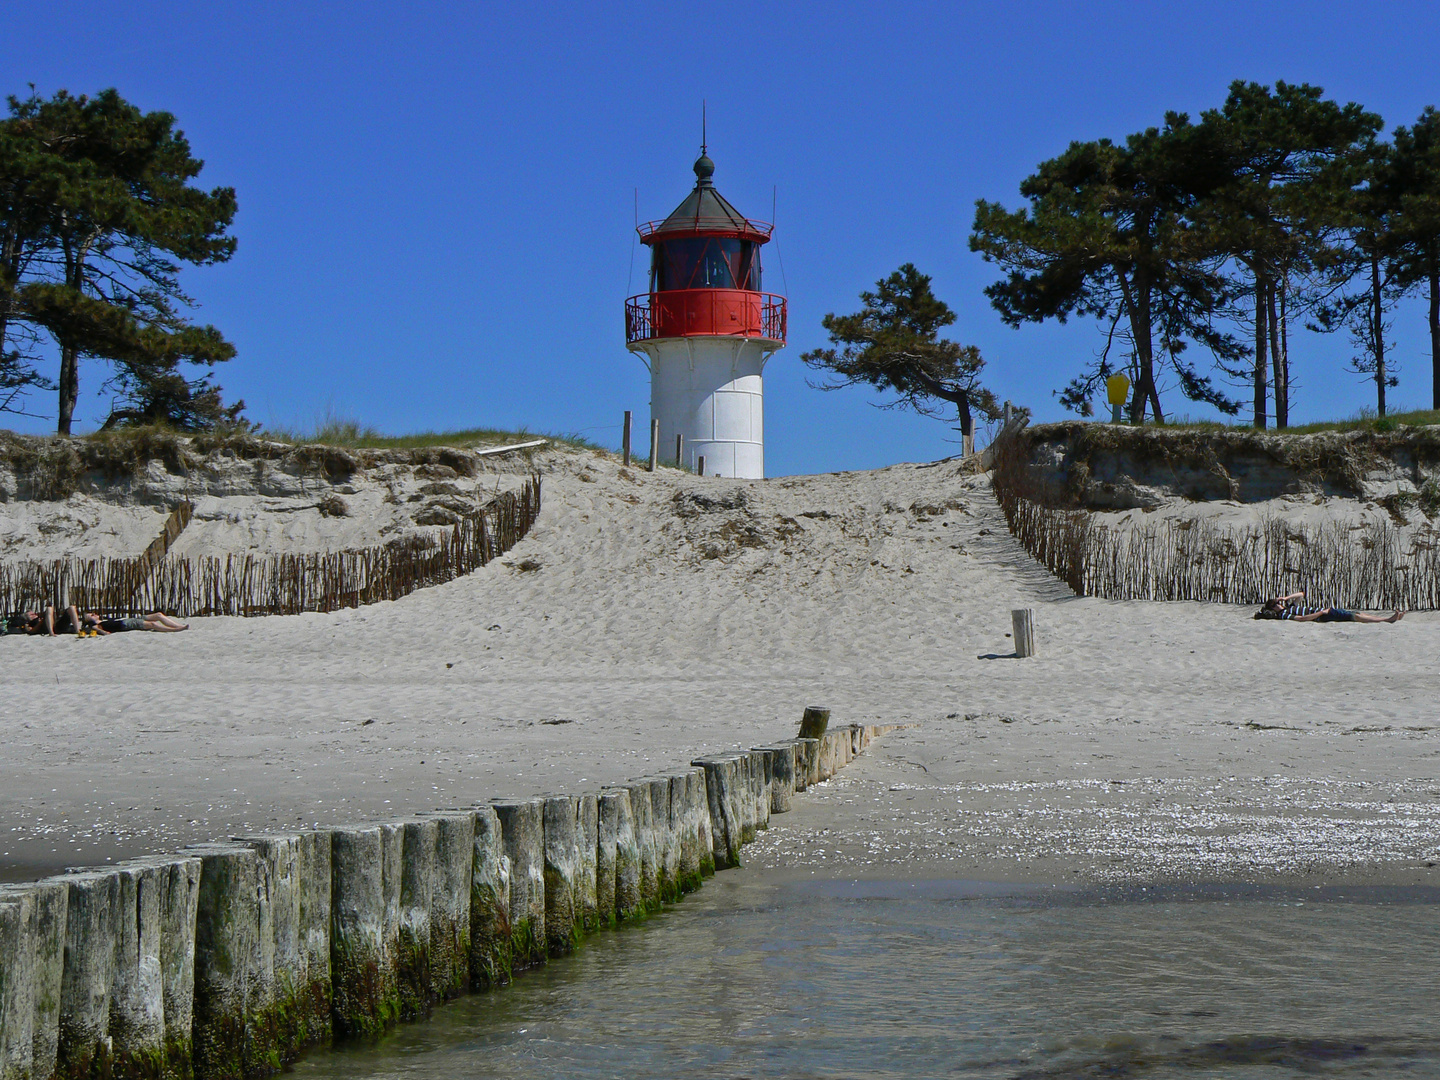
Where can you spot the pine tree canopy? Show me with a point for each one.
(97, 216)
(893, 343)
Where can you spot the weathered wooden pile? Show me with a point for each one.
(228, 960)
(273, 584)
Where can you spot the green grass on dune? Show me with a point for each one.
(1365, 420)
(353, 435)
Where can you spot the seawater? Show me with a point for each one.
(952, 979)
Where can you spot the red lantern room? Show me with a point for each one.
(705, 272)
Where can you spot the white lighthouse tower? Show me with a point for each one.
(706, 330)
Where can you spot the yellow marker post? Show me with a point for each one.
(1117, 389)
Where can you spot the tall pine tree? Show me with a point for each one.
(1107, 235)
(1414, 176)
(1289, 159)
(893, 343)
(106, 218)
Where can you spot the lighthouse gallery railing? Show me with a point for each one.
(719, 312)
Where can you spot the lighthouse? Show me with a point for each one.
(705, 329)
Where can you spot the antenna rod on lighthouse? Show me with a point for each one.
(704, 141)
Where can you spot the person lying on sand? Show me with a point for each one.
(38, 622)
(1282, 607)
(156, 621)
(23, 622)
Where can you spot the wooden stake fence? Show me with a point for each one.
(274, 584)
(1363, 566)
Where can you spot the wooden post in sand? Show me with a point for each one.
(654, 444)
(679, 451)
(700, 465)
(17, 986)
(814, 722)
(1023, 623)
(625, 438)
(32, 965)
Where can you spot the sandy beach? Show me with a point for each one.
(650, 618)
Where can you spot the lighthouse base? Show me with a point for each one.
(709, 391)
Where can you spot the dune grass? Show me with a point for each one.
(1364, 420)
(332, 430)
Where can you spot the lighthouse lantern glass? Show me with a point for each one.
(705, 262)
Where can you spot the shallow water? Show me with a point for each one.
(751, 979)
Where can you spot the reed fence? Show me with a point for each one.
(275, 584)
(1371, 565)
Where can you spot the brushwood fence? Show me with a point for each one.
(1371, 565)
(275, 584)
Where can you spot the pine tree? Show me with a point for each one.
(1106, 235)
(1290, 155)
(1415, 187)
(105, 219)
(1361, 269)
(893, 343)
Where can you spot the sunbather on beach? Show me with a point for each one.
(156, 621)
(1284, 607)
(23, 622)
(43, 622)
(65, 622)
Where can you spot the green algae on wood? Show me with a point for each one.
(522, 827)
(605, 831)
(92, 911)
(361, 973)
(450, 904)
(413, 930)
(137, 996)
(314, 997)
(564, 919)
(615, 806)
(278, 862)
(179, 880)
(491, 948)
(645, 841)
(687, 798)
(17, 986)
(46, 907)
(234, 1030)
(667, 851)
(721, 777)
(588, 835)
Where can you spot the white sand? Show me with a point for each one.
(675, 615)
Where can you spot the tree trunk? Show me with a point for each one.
(1379, 336)
(1137, 303)
(1260, 334)
(1435, 329)
(1279, 361)
(967, 426)
(1285, 341)
(69, 387)
(70, 354)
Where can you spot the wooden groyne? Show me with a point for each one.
(226, 961)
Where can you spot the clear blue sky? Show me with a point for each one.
(437, 200)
